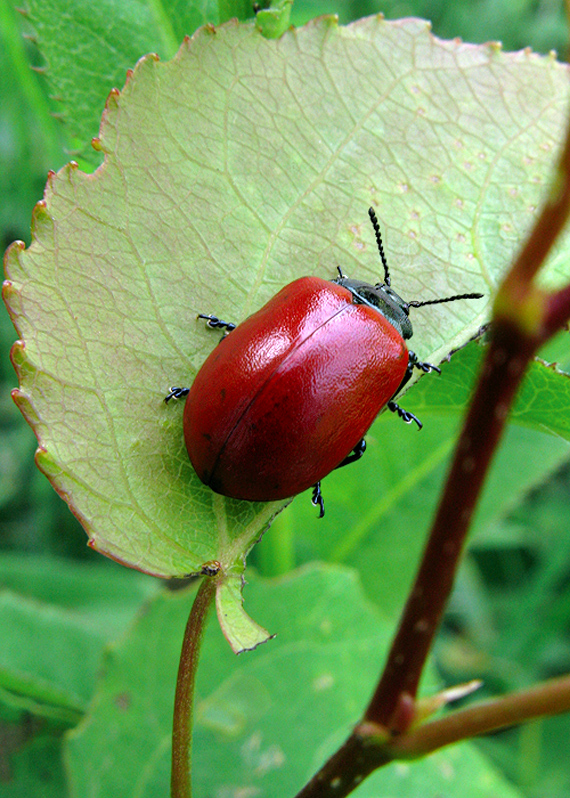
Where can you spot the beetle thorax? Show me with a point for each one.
(382, 299)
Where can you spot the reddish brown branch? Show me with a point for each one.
(346, 769)
(368, 748)
(525, 317)
(550, 698)
(506, 358)
(557, 312)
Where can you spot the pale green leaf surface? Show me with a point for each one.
(230, 170)
(265, 721)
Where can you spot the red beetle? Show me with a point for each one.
(288, 396)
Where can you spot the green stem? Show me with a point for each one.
(181, 786)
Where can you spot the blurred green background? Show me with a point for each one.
(519, 575)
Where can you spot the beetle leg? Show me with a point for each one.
(355, 455)
(216, 323)
(176, 393)
(413, 362)
(317, 499)
(404, 414)
(425, 367)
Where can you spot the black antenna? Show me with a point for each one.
(376, 227)
(416, 304)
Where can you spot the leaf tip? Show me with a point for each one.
(327, 21)
(42, 223)
(10, 292)
(18, 356)
(24, 405)
(241, 631)
(17, 396)
(112, 99)
(146, 60)
(11, 259)
(46, 463)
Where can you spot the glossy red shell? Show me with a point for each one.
(287, 395)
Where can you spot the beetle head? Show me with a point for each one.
(383, 298)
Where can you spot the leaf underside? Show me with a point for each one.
(234, 168)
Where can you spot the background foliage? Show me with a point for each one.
(509, 616)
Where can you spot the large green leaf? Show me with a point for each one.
(230, 170)
(265, 721)
(542, 403)
(31, 666)
(379, 510)
(53, 634)
(105, 596)
(36, 770)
